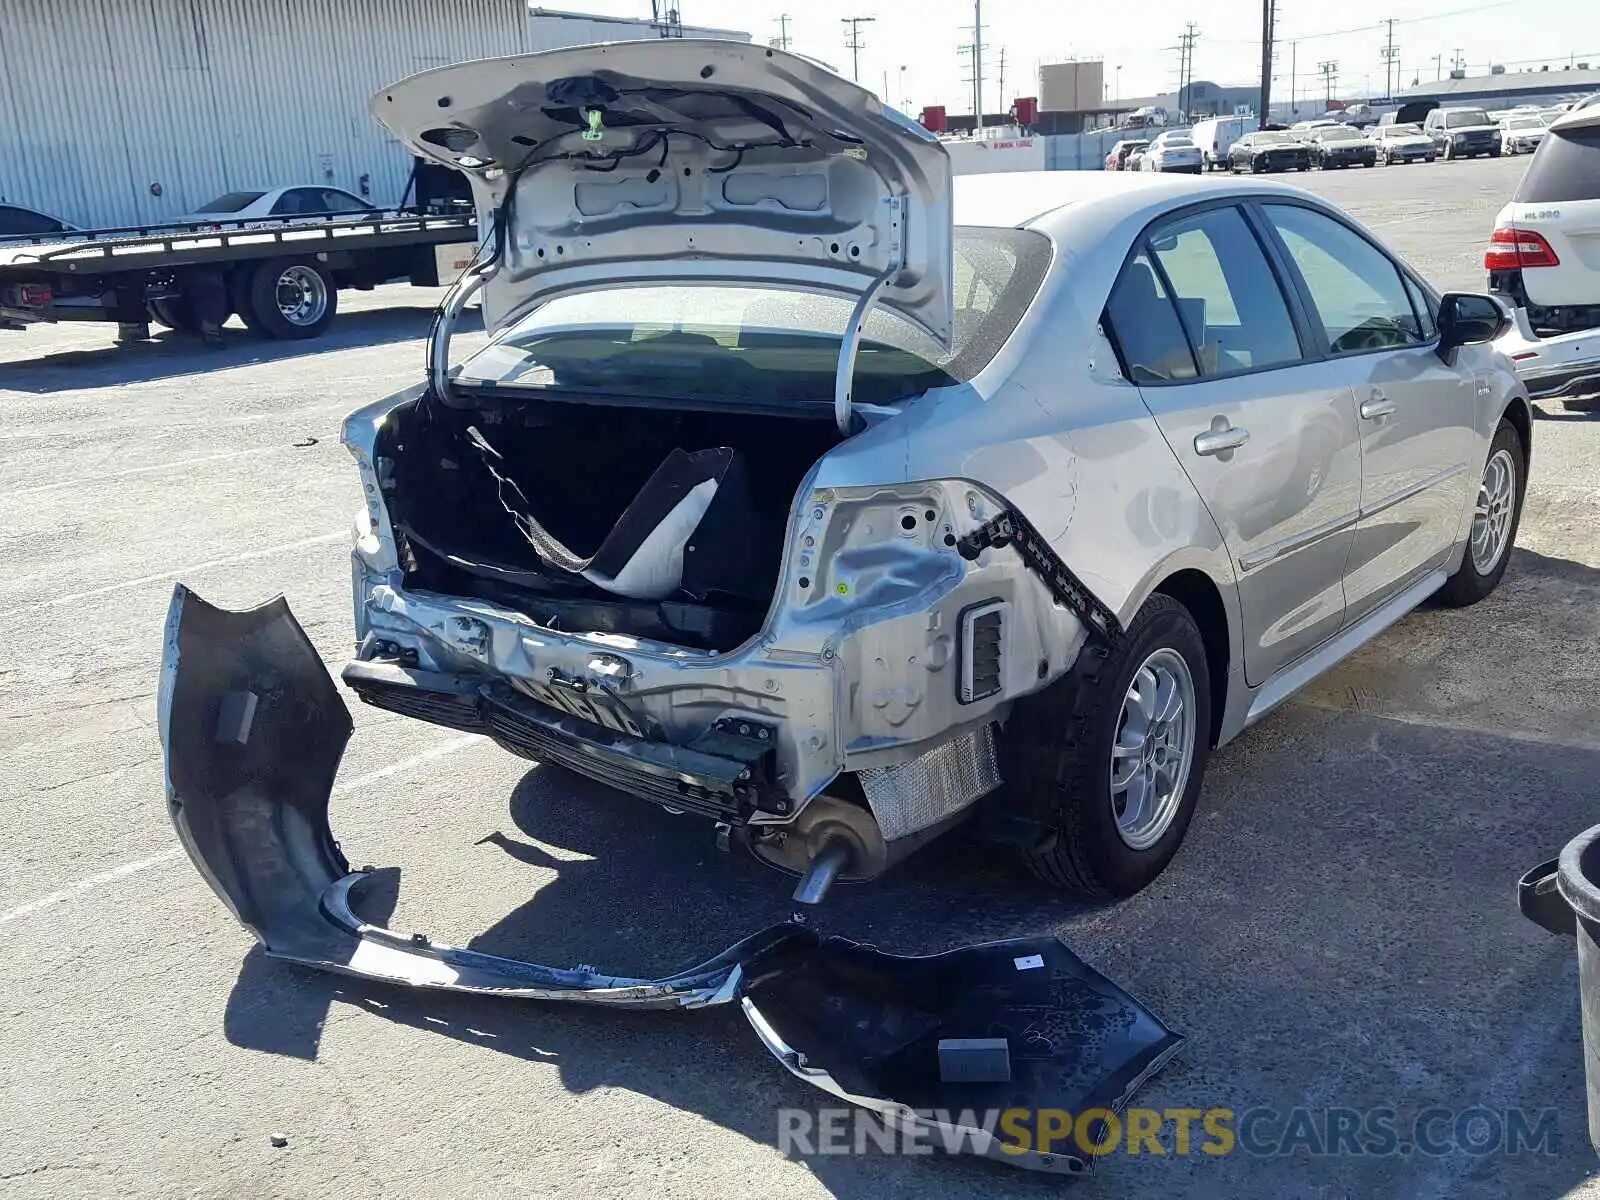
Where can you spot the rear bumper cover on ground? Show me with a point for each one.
(253, 729)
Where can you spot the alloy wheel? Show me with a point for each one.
(1491, 521)
(1153, 749)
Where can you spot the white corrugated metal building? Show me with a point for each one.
(120, 112)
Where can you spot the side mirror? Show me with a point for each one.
(1468, 319)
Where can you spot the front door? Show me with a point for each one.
(1269, 440)
(1416, 412)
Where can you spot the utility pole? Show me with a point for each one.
(977, 62)
(1438, 67)
(782, 41)
(664, 16)
(1388, 54)
(1329, 70)
(1458, 61)
(974, 52)
(1294, 91)
(853, 42)
(1186, 41)
(1268, 15)
(1001, 86)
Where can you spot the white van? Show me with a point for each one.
(1216, 135)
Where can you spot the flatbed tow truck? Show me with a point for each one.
(281, 277)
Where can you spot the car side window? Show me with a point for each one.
(340, 202)
(1144, 324)
(1227, 297)
(1355, 287)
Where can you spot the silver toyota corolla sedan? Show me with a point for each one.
(804, 491)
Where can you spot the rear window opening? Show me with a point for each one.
(232, 202)
(760, 348)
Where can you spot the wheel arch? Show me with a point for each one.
(1218, 624)
(1519, 412)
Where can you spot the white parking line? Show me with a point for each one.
(152, 469)
(264, 552)
(91, 882)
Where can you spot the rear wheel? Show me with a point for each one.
(290, 299)
(1111, 755)
(1496, 514)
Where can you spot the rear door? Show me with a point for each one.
(1415, 411)
(1269, 439)
(1559, 199)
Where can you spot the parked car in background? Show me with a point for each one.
(1302, 130)
(1402, 144)
(1117, 160)
(281, 204)
(1216, 135)
(16, 221)
(1544, 253)
(1269, 150)
(1521, 133)
(1135, 159)
(1173, 151)
(1337, 146)
(1462, 133)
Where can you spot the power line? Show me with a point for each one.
(974, 52)
(1369, 26)
(853, 42)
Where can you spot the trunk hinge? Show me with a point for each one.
(1010, 528)
(844, 373)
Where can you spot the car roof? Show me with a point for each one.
(1020, 198)
(1577, 118)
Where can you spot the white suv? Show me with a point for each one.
(1544, 262)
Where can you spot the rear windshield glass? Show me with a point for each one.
(1462, 118)
(1273, 139)
(705, 343)
(1180, 142)
(1566, 167)
(230, 203)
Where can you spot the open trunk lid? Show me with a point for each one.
(687, 161)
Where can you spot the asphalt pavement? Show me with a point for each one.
(1338, 932)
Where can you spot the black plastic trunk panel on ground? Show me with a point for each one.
(253, 730)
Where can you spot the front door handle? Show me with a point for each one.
(1220, 441)
(1379, 406)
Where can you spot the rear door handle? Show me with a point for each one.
(1379, 406)
(1220, 441)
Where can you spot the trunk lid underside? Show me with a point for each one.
(686, 160)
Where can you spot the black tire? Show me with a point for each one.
(176, 312)
(1056, 759)
(265, 315)
(1470, 583)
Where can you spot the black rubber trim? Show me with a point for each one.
(1011, 528)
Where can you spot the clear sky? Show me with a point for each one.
(916, 40)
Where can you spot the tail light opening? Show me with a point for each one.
(1514, 249)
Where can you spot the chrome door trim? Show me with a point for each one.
(1405, 493)
(1261, 557)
